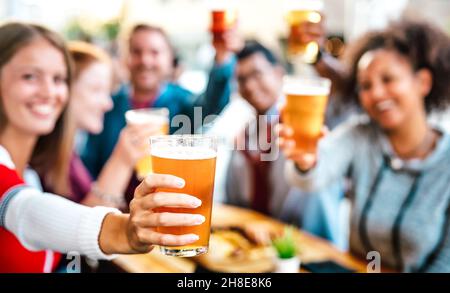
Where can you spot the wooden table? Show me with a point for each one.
(312, 248)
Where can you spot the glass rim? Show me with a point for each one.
(149, 110)
(147, 113)
(209, 142)
(291, 78)
(183, 136)
(306, 85)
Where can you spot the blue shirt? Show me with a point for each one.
(178, 100)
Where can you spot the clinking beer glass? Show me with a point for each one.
(193, 158)
(158, 117)
(304, 109)
(299, 12)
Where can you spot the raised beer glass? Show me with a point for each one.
(304, 109)
(158, 117)
(193, 158)
(299, 12)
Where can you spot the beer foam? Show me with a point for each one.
(144, 118)
(305, 90)
(183, 153)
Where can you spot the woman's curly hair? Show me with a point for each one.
(424, 45)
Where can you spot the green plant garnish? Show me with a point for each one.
(285, 245)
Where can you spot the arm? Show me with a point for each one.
(90, 154)
(335, 154)
(114, 177)
(326, 65)
(111, 183)
(439, 261)
(64, 226)
(58, 224)
(219, 88)
(333, 69)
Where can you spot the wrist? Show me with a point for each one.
(116, 200)
(119, 158)
(113, 235)
(223, 57)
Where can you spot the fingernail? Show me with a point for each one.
(193, 237)
(199, 219)
(196, 203)
(179, 182)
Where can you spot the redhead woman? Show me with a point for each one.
(91, 90)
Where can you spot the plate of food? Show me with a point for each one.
(231, 250)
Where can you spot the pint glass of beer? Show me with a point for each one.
(224, 17)
(158, 117)
(304, 109)
(299, 12)
(223, 20)
(193, 158)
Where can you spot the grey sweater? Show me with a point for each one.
(399, 208)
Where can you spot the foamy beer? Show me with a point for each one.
(158, 117)
(299, 12)
(304, 109)
(193, 158)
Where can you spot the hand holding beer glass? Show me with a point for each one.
(157, 119)
(193, 158)
(225, 37)
(303, 116)
(306, 32)
(222, 20)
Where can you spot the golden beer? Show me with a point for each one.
(142, 117)
(192, 158)
(299, 13)
(304, 110)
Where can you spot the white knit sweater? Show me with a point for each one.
(46, 221)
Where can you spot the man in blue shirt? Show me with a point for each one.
(150, 58)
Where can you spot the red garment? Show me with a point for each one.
(14, 258)
(261, 185)
(141, 105)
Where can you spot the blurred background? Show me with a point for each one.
(106, 21)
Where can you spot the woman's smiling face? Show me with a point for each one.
(390, 90)
(34, 88)
(91, 96)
